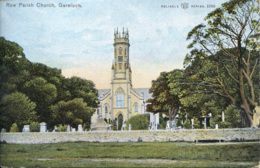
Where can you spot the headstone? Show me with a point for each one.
(216, 126)
(192, 123)
(171, 125)
(130, 127)
(80, 129)
(223, 117)
(43, 127)
(205, 123)
(73, 129)
(68, 128)
(26, 128)
(100, 125)
(3, 130)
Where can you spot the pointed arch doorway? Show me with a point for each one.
(120, 122)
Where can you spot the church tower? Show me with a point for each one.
(121, 77)
(121, 65)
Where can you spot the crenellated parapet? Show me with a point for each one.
(121, 37)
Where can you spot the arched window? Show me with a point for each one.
(136, 107)
(115, 52)
(125, 51)
(120, 51)
(120, 99)
(106, 111)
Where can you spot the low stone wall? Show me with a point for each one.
(132, 136)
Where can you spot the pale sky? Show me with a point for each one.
(79, 41)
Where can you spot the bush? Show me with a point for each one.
(232, 117)
(114, 126)
(197, 124)
(62, 128)
(179, 123)
(163, 121)
(34, 127)
(14, 128)
(187, 124)
(139, 122)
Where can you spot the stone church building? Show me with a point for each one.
(122, 101)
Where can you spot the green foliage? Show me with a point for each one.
(222, 61)
(187, 124)
(73, 112)
(17, 108)
(34, 127)
(165, 92)
(14, 128)
(114, 126)
(139, 122)
(62, 128)
(163, 121)
(41, 86)
(179, 124)
(196, 124)
(232, 117)
(120, 121)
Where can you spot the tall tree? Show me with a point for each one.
(233, 26)
(165, 94)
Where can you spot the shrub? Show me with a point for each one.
(62, 128)
(34, 127)
(232, 117)
(179, 123)
(197, 124)
(114, 126)
(187, 124)
(14, 128)
(139, 122)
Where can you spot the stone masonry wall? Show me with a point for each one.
(131, 136)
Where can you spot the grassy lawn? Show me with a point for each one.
(88, 154)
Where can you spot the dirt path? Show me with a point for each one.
(158, 161)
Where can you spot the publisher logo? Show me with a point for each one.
(184, 5)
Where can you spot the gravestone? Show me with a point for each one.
(171, 125)
(43, 127)
(26, 128)
(130, 127)
(73, 129)
(223, 117)
(100, 125)
(216, 126)
(192, 123)
(80, 129)
(3, 130)
(68, 128)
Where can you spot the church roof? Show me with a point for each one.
(147, 95)
(102, 93)
(139, 91)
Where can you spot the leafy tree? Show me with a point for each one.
(232, 117)
(233, 30)
(72, 112)
(81, 88)
(165, 95)
(43, 94)
(139, 122)
(16, 108)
